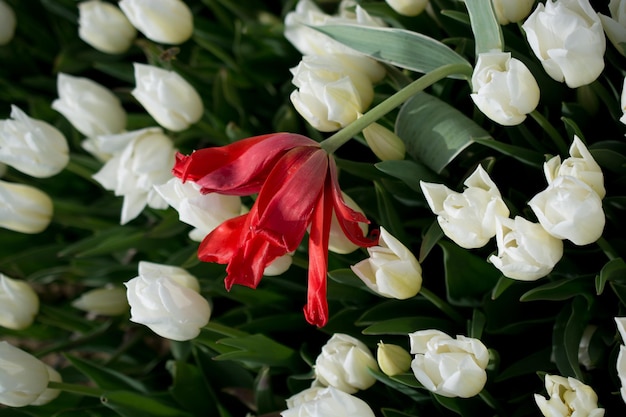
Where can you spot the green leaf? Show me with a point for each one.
(527, 365)
(430, 239)
(477, 325)
(485, 25)
(404, 383)
(435, 132)
(389, 217)
(405, 325)
(259, 349)
(614, 269)
(402, 48)
(560, 290)
(130, 404)
(568, 330)
(388, 412)
(524, 155)
(105, 377)
(410, 172)
(189, 390)
(468, 277)
(501, 286)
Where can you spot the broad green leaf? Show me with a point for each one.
(524, 155)
(501, 286)
(487, 30)
(434, 132)
(431, 237)
(130, 404)
(410, 172)
(468, 277)
(568, 330)
(389, 217)
(561, 290)
(405, 325)
(527, 365)
(402, 48)
(404, 383)
(105, 377)
(345, 276)
(388, 412)
(189, 390)
(477, 325)
(614, 269)
(260, 350)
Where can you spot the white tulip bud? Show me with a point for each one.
(19, 304)
(343, 364)
(570, 209)
(91, 108)
(23, 208)
(568, 39)
(568, 397)
(167, 97)
(449, 367)
(107, 301)
(391, 270)
(385, 144)
(7, 23)
(408, 7)
(326, 402)
(504, 89)
(166, 299)
(24, 378)
(32, 146)
(145, 162)
(468, 218)
(105, 27)
(512, 11)
(526, 252)
(393, 359)
(615, 26)
(163, 21)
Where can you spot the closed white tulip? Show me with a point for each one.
(512, 11)
(526, 252)
(568, 39)
(19, 304)
(24, 208)
(167, 97)
(408, 7)
(615, 25)
(504, 89)
(568, 397)
(620, 364)
(326, 402)
(449, 367)
(580, 165)
(570, 209)
(166, 299)
(7, 23)
(32, 146)
(163, 21)
(145, 162)
(468, 218)
(332, 91)
(105, 27)
(91, 108)
(343, 364)
(107, 301)
(391, 269)
(392, 359)
(385, 144)
(24, 378)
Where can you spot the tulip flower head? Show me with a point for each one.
(105, 27)
(7, 23)
(297, 186)
(615, 25)
(568, 397)
(326, 402)
(163, 21)
(511, 11)
(19, 303)
(24, 208)
(621, 357)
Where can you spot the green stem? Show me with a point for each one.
(76, 389)
(442, 305)
(332, 143)
(551, 131)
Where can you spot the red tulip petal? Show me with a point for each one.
(224, 241)
(239, 168)
(349, 219)
(316, 309)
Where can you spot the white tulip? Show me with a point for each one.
(23, 208)
(32, 146)
(570, 209)
(504, 89)
(19, 304)
(449, 367)
(385, 144)
(343, 364)
(105, 27)
(393, 359)
(580, 165)
(332, 91)
(166, 299)
(512, 11)
(567, 37)
(615, 26)
(91, 108)
(107, 301)
(326, 402)
(391, 269)
(408, 7)
(105, 147)
(24, 378)
(146, 161)
(167, 97)
(568, 397)
(468, 218)
(7, 23)
(163, 21)
(526, 252)
(620, 364)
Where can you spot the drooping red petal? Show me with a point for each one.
(239, 168)
(349, 219)
(316, 309)
(221, 245)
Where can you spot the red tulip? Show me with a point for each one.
(296, 182)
